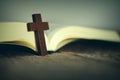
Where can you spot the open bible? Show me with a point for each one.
(16, 33)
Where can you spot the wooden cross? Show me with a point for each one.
(38, 27)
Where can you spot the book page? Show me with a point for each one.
(56, 37)
(61, 36)
(17, 33)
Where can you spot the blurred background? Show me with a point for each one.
(91, 13)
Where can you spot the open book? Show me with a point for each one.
(16, 33)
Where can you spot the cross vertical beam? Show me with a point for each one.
(38, 27)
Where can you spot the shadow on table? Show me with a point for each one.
(10, 50)
(84, 45)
